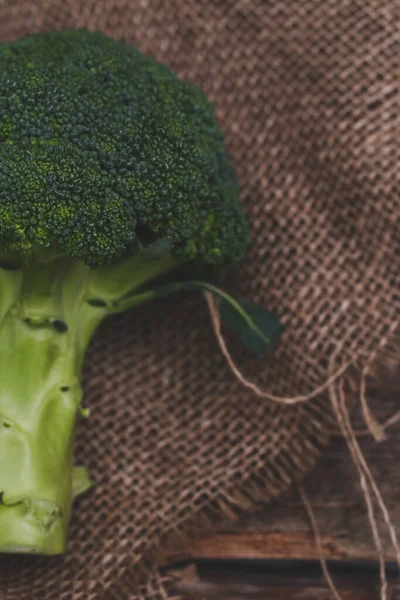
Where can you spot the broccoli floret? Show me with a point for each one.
(113, 175)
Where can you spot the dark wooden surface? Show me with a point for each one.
(282, 531)
(267, 582)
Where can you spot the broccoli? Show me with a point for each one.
(113, 177)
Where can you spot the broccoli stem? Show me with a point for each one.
(47, 318)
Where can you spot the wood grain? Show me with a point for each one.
(266, 544)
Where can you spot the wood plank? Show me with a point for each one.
(264, 544)
(236, 581)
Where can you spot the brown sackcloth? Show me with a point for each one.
(307, 94)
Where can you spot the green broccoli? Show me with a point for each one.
(113, 176)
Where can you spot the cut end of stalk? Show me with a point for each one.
(32, 526)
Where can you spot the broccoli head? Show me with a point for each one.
(103, 148)
(113, 177)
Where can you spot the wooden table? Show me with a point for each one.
(258, 556)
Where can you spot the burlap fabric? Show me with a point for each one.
(307, 93)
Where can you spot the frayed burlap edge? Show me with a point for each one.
(262, 486)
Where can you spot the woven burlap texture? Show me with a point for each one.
(307, 94)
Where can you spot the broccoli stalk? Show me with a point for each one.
(50, 308)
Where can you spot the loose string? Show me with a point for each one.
(375, 428)
(387, 424)
(318, 543)
(216, 322)
(364, 465)
(340, 409)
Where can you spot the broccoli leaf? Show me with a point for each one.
(80, 481)
(255, 327)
